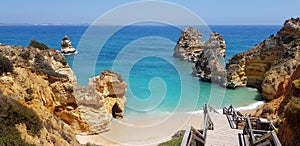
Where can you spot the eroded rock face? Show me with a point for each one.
(216, 42)
(112, 88)
(45, 96)
(208, 65)
(267, 64)
(236, 75)
(66, 46)
(285, 93)
(53, 92)
(189, 44)
(101, 100)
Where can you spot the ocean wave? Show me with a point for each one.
(68, 54)
(242, 108)
(251, 106)
(252, 89)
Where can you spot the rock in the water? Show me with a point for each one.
(66, 46)
(269, 63)
(208, 65)
(236, 76)
(189, 44)
(216, 42)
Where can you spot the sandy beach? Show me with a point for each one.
(146, 130)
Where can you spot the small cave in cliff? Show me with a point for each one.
(116, 111)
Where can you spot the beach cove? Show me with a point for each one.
(176, 105)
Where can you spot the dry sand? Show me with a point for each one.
(146, 130)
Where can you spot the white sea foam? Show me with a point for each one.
(76, 52)
(243, 108)
(251, 106)
(252, 89)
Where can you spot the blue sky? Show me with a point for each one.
(213, 12)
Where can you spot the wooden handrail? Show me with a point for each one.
(262, 139)
(192, 134)
(186, 137)
(250, 130)
(234, 117)
(270, 137)
(275, 139)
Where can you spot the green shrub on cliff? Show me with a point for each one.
(43, 67)
(297, 83)
(36, 44)
(5, 65)
(172, 142)
(25, 55)
(63, 61)
(292, 110)
(13, 113)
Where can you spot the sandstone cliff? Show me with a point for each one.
(42, 81)
(207, 57)
(267, 64)
(190, 44)
(208, 65)
(284, 110)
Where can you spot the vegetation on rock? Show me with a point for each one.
(297, 83)
(5, 65)
(36, 44)
(13, 113)
(292, 110)
(63, 61)
(25, 55)
(43, 67)
(173, 142)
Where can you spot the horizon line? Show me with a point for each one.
(89, 24)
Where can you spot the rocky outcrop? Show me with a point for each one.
(66, 46)
(284, 110)
(216, 42)
(208, 65)
(43, 81)
(112, 88)
(190, 45)
(266, 65)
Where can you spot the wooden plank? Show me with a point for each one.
(198, 139)
(265, 137)
(252, 138)
(260, 131)
(198, 133)
(266, 143)
(186, 136)
(222, 134)
(190, 140)
(272, 126)
(275, 139)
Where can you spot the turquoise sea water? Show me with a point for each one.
(157, 82)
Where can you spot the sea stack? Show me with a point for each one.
(189, 44)
(208, 65)
(66, 46)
